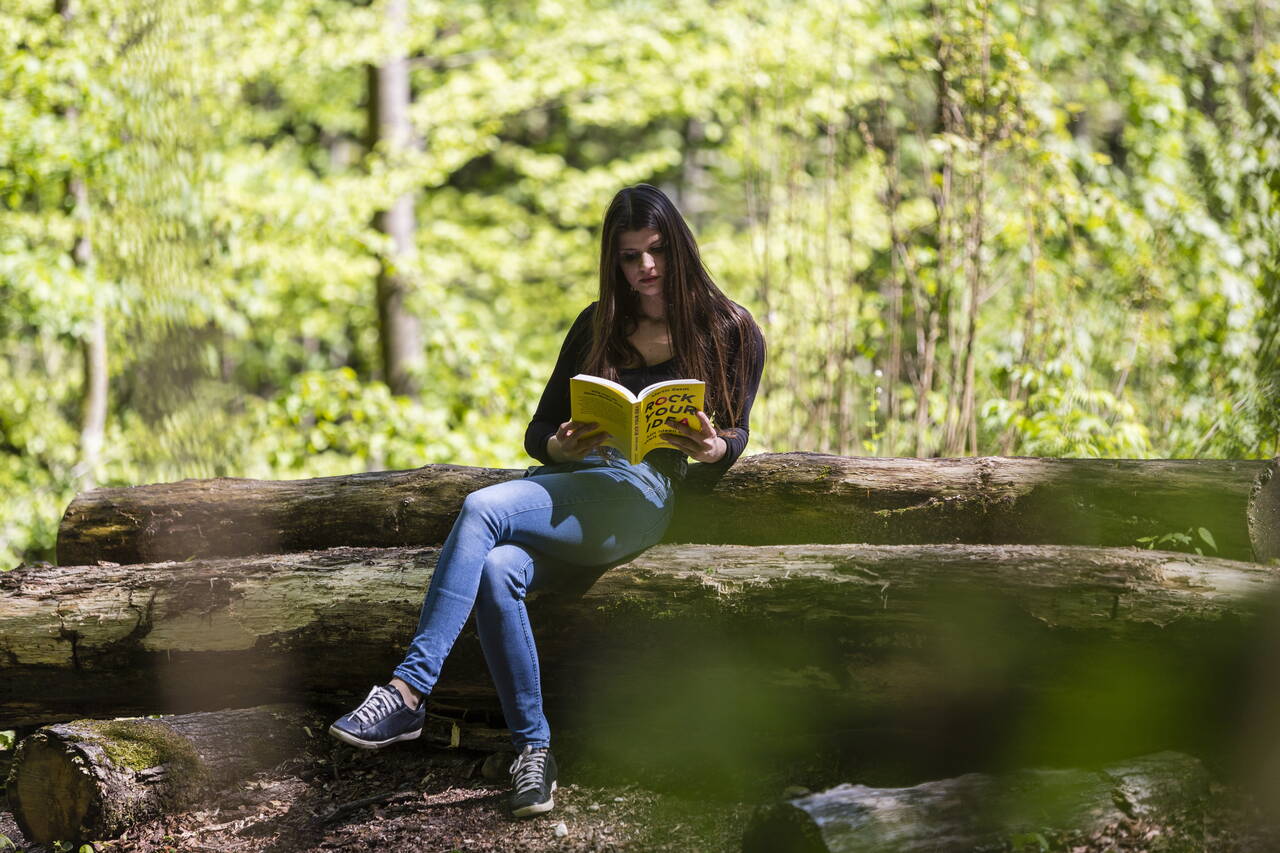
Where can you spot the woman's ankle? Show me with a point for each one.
(407, 692)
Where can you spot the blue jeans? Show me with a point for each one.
(518, 535)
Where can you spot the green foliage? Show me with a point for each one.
(975, 226)
(1190, 539)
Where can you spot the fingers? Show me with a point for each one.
(569, 429)
(682, 443)
(703, 432)
(575, 439)
(698, 442)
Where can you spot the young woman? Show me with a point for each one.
(659, 316)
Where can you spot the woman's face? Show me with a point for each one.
(643, 256)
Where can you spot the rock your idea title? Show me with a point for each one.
(672, 405)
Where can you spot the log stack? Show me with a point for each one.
(945, 598)
(224, 589)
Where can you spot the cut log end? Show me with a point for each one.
(51, 793)
(1264, 514)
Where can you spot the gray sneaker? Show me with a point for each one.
(533, 776)
(382, 718)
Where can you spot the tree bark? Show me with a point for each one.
(978, 812)
(763, 500)
(389, 127)
(93, 779)
(859, 633)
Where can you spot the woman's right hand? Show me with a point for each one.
(575, 440)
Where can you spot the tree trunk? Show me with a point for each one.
(835, 635)
(977, 812)
(92, 779)
(389, 127)
(763, 500)
(93, 420)
(694, 179)
(93, 406)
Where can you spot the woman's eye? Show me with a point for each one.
(632, 257)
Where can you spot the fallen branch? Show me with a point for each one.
(384, 798)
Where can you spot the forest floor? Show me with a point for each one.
(418, 798)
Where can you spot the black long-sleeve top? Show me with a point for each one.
(553, 408)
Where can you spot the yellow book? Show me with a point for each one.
(636, 421)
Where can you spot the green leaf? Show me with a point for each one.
(1207, 537)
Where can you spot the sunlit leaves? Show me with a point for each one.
(1123, 156)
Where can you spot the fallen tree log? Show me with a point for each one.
(803, 497)
(979, 812)
(736, 640)
(789, 497)
(93, 779)
(229, 516)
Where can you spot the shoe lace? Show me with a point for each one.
(379, 703)
(528, 769)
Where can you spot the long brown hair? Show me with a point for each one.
(712, 339)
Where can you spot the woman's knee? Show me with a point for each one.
(479, 502)
(492, 502)
(505, 574)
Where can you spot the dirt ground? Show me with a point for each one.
(419, 798)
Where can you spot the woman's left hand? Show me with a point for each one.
(701, 445)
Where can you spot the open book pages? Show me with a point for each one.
(636, 421)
